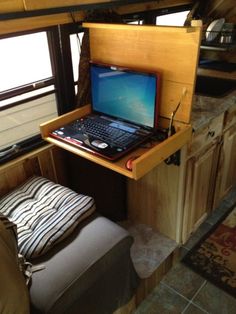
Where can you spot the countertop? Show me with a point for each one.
(217, 74)
(207, 108)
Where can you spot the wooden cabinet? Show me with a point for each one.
(201, 171)
(226, 176)
(210, 169)
(199, 187)
(176, 200)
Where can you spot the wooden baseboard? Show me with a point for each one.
(127, 308)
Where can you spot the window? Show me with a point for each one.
(24, 59)
(136, 22)
(172, 19)
(25, 67)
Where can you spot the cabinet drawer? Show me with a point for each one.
(206, 135)
(230, 117)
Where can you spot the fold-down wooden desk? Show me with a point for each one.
(172, 51)
(147, 159)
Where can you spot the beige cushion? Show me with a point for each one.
(14, 296)
(45, 213)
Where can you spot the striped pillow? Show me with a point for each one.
(45, 213)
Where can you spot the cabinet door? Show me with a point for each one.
(226, 176)
(200, 182)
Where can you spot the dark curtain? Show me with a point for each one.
(83, 95)
(198, 11)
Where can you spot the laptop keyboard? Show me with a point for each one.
(101, 129)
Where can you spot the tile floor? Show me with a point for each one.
(184, 291)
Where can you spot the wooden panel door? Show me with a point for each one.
(200, 184)
(226, 176)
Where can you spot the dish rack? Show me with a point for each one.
(220, 40)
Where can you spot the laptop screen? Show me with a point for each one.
(125, 94)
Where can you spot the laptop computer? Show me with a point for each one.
(124, 112)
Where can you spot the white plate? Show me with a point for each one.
(214, 28)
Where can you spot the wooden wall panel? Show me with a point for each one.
(152, 203)
(21, 5)
(11, 6)
(47, 161)
(218, 9)
(31, 23)
(44, 4)
(172, 51)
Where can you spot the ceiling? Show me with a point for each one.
(203, 9)
(18, 15)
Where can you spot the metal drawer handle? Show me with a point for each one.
(211, 133)
(14, 149)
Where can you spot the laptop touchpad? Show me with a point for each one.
(99, 144)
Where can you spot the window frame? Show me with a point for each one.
(62, 78)
(172, 10)
(149, 17)
(36, 140)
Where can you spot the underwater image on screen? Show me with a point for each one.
(124, 94)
